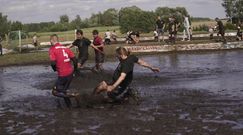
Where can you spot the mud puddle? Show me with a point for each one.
(196, 93)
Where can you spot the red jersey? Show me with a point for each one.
(98, 41)
(61, 55)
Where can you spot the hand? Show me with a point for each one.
(110, 88)
(76, 73)
(79, 65)
(155, 69)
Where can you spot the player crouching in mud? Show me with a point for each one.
(119, 90)
(61, 58)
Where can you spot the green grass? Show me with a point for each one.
(70, 35)
(24, 58)
(43, 57)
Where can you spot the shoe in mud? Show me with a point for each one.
(131, 94)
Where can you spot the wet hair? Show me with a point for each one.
(79, 32)
(95, 32)
(122, 51)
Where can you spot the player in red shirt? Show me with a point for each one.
(99, 51)
(61, 58)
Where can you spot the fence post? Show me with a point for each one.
(75, 37)
(20, 45)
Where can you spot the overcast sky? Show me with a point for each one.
(28, 11)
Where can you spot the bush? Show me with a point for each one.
(203, 27)
(230, 26)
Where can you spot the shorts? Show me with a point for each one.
(82, 59)
(35, 44)
(118, 93)
(221, 33)
(99, 57)
(160, 31)
(62, 85)
(107, 41)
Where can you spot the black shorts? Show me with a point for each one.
(99, 57)
(63, 83)
(82, 59)
(35, 44)
(221, 33)
(117, 93)
(160, 31)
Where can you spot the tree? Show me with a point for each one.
(76, 23)
(16, 26)
(110, 17)
(64, 19)
(233, 8)
(4, 24)
(166, 12)
(129, 18)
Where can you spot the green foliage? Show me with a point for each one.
(64, 19)
(4, 25)
(110, 17)
(196, 19)
(203, 27)
(16, 26)
(133, 18)
(14, 35)
(129, 18)
(230, 26)
(233, 8)
(166, 12)
(59, 27)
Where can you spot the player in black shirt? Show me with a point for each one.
(239, 34)
(123, 75)
(220, 28)
(83, 44)
(172, 28)
(1, 48)
(160, 28)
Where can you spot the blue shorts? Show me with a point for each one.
(160, 31)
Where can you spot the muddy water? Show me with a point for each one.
(195, 93)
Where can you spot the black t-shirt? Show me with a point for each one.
(83, 46)
(125, 66)
(172, 26)
(160, 24)
(220, 26)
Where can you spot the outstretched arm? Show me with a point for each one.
(145, 64)
(96, 48)
(70, 46)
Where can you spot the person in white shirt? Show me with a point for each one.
(107, 37)
(186, 31)
(156, 35)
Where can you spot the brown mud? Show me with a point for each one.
(194, 94)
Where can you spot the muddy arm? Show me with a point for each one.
(119, 80)
(145, 64)
(96, 48)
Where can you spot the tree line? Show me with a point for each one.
(128, 18)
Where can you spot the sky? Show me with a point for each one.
(34, 11)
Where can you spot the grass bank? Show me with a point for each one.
(29, 58)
